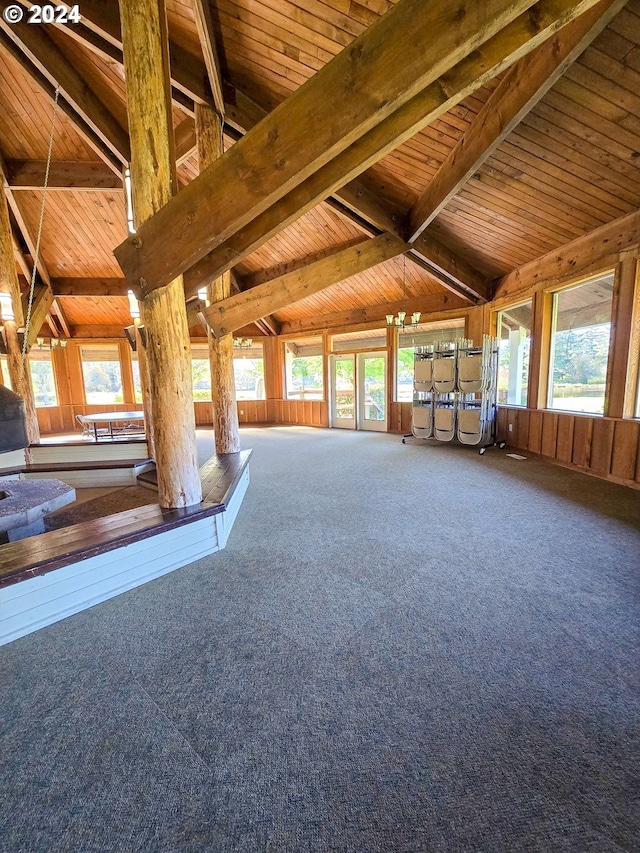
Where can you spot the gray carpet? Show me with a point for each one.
(403, 648)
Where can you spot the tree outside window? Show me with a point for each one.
(304, 369)
(580, 346)
(102, 374)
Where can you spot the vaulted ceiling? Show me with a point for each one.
(569, 164)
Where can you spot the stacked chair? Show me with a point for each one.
(455, 392)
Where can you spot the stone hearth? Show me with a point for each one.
(24, 503)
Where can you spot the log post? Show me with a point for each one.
(153, 182)
(18, 371)
(223, 393)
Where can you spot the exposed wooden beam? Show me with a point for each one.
(251, 305)
(361, 87)
(207, 36)
(249, 281)
(45, 85)
(42, 301)
(568, 260)
(450, 269)
(487, 60)
(519, 91)
(188, 74)
(89, 287)
(57, 309)
(22, 226)
(427, 305)
(51, 62)
(63, 174)
(268, 326)
(185, 140)
(97, 331)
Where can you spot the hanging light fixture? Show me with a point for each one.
(242, 343)
(400, 320)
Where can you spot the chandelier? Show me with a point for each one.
(400, 319)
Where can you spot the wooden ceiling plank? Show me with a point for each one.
(357, 90)
(427, 305)
(51, 62)
(522, 87)
(187, 72)
(246, 307)
(616, 236)
(207, 37)
(63, 175)
(102, 150)
(482, 64)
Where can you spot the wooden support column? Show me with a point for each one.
(223, 391)
(153, 179)
(18, 372)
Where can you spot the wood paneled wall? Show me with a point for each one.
(606, 447)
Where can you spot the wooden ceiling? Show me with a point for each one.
(570, 165)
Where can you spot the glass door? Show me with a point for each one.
(343, 391)
(372, 391)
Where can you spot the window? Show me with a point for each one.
(248, 370)
(5, 379)
(200, 372)
(514, 336)
(137, 383)
(101, 373)
(42, 378)
(580, 346)
(420, 336)
(303, 367)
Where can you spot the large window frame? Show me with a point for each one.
(304, 369)
(514, 351)
(578, 382)
(43, 378)
(421, 335)
(91, 368)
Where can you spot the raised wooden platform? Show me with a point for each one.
(48, 577)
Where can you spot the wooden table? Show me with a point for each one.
(111, 418)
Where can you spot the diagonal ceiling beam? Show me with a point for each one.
(207, 37)
(42, 302)
(252, 280)
(362, 86)
(260, 301)
(522, 35)
(51, 62)
(519, 91)
(22, 225)
(92, 140)
(102, 18)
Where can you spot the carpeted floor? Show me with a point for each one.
(403, 648)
